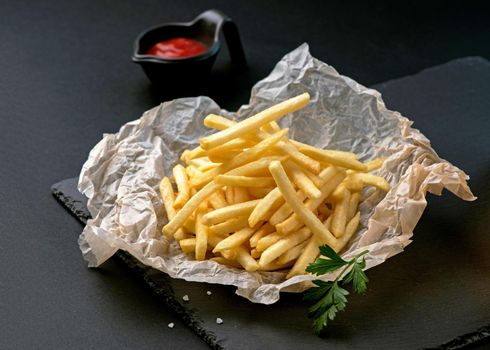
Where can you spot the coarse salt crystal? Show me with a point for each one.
(219, 321)
(171, 325)
(209, 292)
(185, 298)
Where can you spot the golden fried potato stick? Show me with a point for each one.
(309, 254)
(261, 232)
(266, 206)
(283, 245)
(233, 145)
(202, 232)
(223, 157)
(339, 215)
(374, 164)
(244, 157)
(234, 240)
(350, 230)
(266, 241)
(188, 245)
(274, 266)
(192, 171)
(218, 200)
(353, 205)
(219, 215)
(182, 185)
(373, 180)
(308, 218)
(255, 253)
(246, 126)
(303, 146)
(167, 193)
(302, 181)
(337, 158)
(313, 177)
(285, 210)
(294, 222)
(244, 258)
(292, 254)
(229, 226)
(205, 167)
(271, 127)
(244, 181)
(188, 155)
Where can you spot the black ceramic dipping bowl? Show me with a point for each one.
(177, 73)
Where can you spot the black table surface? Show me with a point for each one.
(66, 78)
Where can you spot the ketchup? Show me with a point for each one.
(177, 48)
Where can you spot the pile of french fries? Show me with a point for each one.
(249, 197)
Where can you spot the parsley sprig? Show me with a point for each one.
(329, 296)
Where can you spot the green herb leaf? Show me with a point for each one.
(328, 296)
(325, 250)
(357, 277)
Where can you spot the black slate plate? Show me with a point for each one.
(436, 292)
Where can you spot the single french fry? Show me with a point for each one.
(168, 197)
(197, 162)
(201, 237)
(327, 174)
(182, 185)
(218, 200)
(255, 253)
(224, 156)
(313, 177)
(285, 210)
(352, 183)
(374, 164)
(334, 158)
(205, 167)
(233, 145)
(178, 220)
(230, 195)
(271, 127)
(246, 126)
(339, 215)
(188, 155)
(241, 195)
(266, 241)
(292, 254)
(229, 226)
(302, 181)
(266, 206)
(251, 154)
(283, 245)
(275, 266)
(306, 216)
(261, 232)
(309, 254)
(223, 261)
(192, 171)
(244, 181)
(373, 180)
(303, 146)
(350, 230)
(353, 205)
(244, 258)
(260, 192)
(294, 222)
(234, 240)
(228, 212)
(303, 160)
(188, 245)
(190, 225)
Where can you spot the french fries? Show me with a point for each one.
(249, 197)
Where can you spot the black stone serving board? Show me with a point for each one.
(436, 294)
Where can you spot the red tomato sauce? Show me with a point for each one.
(177, 48)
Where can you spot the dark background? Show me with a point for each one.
(66, 77)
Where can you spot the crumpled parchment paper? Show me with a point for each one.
(123, 170)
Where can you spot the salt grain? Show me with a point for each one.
(185, 298)
(219, 321)
(209, 292)
(171, 325)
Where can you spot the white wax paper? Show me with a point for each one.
(123, 170)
